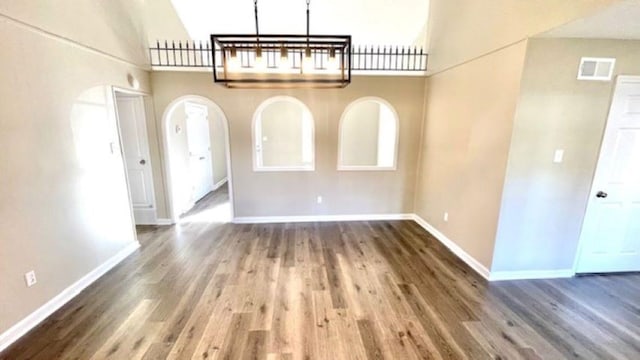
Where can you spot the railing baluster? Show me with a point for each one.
(365, 58)
(395, 59)
(166, 51)
(387, 56)
(187, 49)
(195, 51)
(158, 51)
(206, 45)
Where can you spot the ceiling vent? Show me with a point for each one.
(599, 69)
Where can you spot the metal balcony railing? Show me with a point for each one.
(193, 54)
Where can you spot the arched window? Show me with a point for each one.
(283, 136)
(368, 136)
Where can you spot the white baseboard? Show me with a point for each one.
(32, 320)
(531, 274)
(457, 250)
(162, 221)
(217, 185)
(320, 218)
(145, 216)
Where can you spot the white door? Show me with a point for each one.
(133, 129)
(199, 145)
(610, 240)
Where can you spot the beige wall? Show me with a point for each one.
(161, 22)
(465, 143)
(112, 27)
(62, 213)
(543, 202)
(461, 30)
(282, 134)
(294, 193)
(360, 135)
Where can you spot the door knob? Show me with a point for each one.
(602, 194)
(143, 161)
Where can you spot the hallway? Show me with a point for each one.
(213, 207)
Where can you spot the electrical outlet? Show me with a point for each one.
(319, 199)
(446, 216)
(30, 278)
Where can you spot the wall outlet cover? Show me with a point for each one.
(30, 278)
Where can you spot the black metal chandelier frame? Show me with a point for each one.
(321, 61)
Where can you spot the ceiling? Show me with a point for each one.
(379, 22)
(618, 21)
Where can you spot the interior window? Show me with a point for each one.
(368, 136)
(283, 136)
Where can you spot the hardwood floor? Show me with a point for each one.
(353, 290)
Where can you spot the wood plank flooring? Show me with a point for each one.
(353, 290)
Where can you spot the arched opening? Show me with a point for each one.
(198, 161)
(368, 136)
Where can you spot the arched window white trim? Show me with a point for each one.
(385, 143)
(308, 137)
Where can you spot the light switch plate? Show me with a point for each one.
(558, 156)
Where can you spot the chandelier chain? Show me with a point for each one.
(308, 1)
(255, 7)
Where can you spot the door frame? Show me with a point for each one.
(173, 213)
(619, 79)
(142, 95)
(113, 90)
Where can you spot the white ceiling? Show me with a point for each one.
(379, 22)
(619, 21)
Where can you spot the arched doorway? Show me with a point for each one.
(198, 161)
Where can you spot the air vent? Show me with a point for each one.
(599, 69)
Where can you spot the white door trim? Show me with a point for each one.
(619, 79)
(173, 212)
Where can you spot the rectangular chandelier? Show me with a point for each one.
(281, 61)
